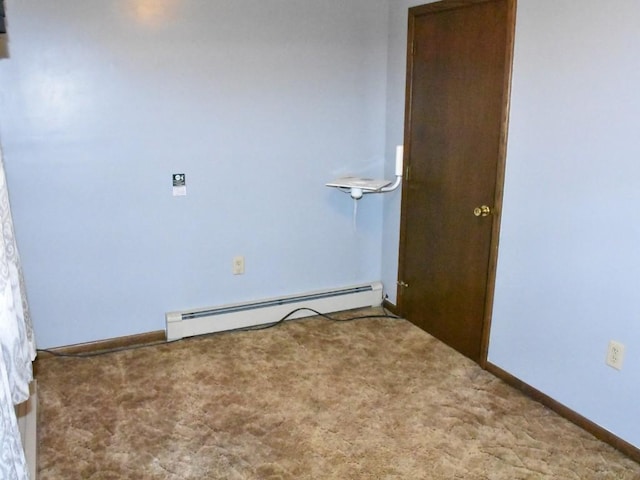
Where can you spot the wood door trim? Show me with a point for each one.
(499, 192)
(443, 5)
(501, 160)
(406, 162)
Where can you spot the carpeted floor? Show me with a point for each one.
(310, 399)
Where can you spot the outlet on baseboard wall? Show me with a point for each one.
(615, 355)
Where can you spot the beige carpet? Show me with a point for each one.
(310, 399)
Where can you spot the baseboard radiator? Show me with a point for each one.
(262, 312)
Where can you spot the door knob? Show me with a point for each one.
(483, 211)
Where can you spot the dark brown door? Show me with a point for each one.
(458, 77)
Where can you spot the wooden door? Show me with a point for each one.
(458, 79)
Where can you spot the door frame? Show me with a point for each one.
(501, 161)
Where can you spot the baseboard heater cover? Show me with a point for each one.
(190, 323)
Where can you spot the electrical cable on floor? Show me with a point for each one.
(384, 314)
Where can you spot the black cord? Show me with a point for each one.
(323, 315)
(266, 326)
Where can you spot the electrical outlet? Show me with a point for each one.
(238, 265)
(615, 354)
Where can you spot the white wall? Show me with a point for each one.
(569, 259)
(258, 102)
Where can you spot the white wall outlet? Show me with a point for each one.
(238, 265)
(615, 354)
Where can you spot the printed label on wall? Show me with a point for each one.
(179, 185)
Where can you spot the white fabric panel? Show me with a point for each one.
(17, 344)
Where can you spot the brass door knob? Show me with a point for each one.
(483, 211)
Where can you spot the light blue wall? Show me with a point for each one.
(396, 86)
(569, 261)
(258, 102)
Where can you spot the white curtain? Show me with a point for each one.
(17, 344)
